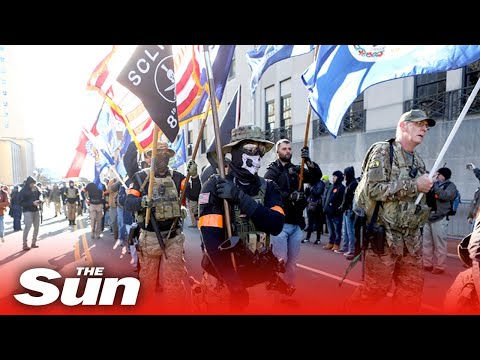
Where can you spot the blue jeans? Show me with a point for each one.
(2, 226)
(334, 225)
(122, 230)
(286, 246)
(348, 231)
(17, 217)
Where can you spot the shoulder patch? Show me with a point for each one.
(374, 164)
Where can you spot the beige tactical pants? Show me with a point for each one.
(170, 271)
(96, 214)
(435, 244)
(381, 272)
(462, 296)
(193, 210)
(72, 211)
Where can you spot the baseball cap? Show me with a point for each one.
(417, 115)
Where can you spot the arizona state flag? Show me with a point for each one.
(149, 74)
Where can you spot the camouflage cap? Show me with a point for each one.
(417, 115)
(162, 148)
(247, 132)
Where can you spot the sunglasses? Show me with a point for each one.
(254, 149)
(421, 124)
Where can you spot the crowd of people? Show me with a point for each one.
(251, 227)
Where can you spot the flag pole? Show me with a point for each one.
(194, 155)
(467, 105)
(195, 150)
(90, 137)
(218, 145)
(307, 130)
(152, 171)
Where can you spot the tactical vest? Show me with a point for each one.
(165, 197)
(257, 242)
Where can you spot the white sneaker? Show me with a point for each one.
(3, 240)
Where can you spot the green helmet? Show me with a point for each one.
(247, 132)
(462, 251)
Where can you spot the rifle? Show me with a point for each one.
(159, 235)
(133, 233)
(154, 225)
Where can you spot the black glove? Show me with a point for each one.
(297, 196)
(305, 154)
(226, 189)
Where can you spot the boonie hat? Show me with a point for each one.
(247, 132)
(162, 147)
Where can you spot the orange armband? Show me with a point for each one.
(133, 192)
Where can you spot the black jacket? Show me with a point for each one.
(287, 179)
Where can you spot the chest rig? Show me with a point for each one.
(165, 197)
(256, 241)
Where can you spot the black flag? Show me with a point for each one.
(149, 74)
(228, 123)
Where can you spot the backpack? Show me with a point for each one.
(361, 201)
(454, 204)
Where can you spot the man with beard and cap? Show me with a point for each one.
(286, 245)
(256, 213)
(166, 217)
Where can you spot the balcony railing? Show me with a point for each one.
(445, 106)
(281, 133)
(353, 121)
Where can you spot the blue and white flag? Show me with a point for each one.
(342, 72)
(102, 141)
(260, 59)
(126, 140)
(180, 157)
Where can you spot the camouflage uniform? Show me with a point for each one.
(401, 263)
(167, 265)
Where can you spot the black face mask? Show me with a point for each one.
(236, 166)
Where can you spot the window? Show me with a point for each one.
(430, 92)
(286, 111)
(204, 141)
(430, 84)
(471, 74)
(270, 108)
(189, 142)
(270, 115)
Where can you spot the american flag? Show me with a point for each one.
(190, 78)
(126, 107)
